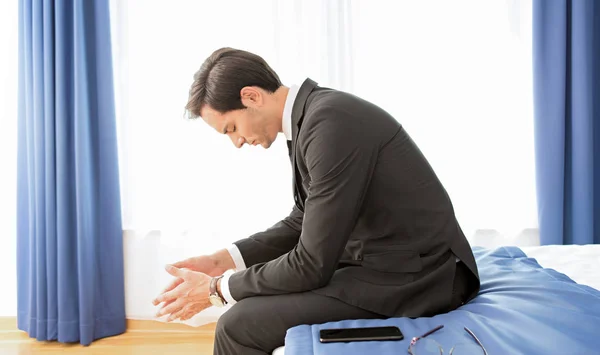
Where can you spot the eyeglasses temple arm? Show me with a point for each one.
(477, 340)
(432, 331)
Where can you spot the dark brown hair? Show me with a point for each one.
(222, 76)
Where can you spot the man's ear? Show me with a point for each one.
(251, 96)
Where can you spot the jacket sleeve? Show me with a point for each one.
(273, 242)
(340, 158)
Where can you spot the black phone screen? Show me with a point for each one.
(360, 334)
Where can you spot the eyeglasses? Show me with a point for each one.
(421, 346)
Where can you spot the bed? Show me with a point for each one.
(533, 300)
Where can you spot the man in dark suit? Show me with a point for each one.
(372, 234)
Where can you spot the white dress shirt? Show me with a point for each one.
(233, 249)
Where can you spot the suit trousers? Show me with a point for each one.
(257, 325)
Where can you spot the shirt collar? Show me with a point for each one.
(287, 111)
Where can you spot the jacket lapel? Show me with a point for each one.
(297, 114)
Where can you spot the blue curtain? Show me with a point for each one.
(69, 245)
(566, 63)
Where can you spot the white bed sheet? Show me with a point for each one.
(581, 263)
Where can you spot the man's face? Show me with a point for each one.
(256, 124)
(246, 126)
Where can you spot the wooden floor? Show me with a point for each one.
(141, 338)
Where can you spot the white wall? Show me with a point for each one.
(181, 199)
(8, 156)
(139, 272)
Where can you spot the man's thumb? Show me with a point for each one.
(175, 271)
(182, 264)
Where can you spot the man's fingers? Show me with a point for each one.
(187, 315)
(177, 272)
(182, 264)
(176, 315)
(178, 281)
(174, 294)
(167, 303)
(172, 308)
(171, 286)
(191, 310)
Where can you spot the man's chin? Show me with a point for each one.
(266, 145)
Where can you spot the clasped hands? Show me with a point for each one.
(187, 295)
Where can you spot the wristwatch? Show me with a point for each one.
(213, 295)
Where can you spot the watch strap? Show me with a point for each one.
(212, 289)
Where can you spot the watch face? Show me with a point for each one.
(216, 301)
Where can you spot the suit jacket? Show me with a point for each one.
(372, 225)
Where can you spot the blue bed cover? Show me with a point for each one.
(522, 308)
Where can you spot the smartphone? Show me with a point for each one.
(360, 334)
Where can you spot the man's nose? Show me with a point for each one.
(238, 141)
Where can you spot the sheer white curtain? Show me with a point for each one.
(456, 74)
(9, 32)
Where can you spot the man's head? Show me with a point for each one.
(238, 94)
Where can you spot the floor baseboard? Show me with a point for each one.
(155, 326)
(10, 324)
